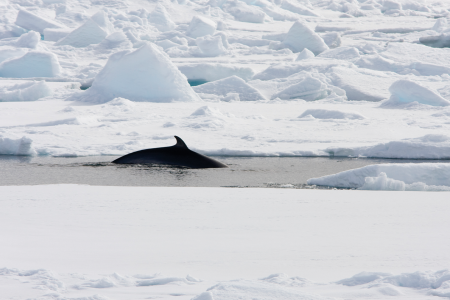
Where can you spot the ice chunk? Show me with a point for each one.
(305, 54)
(308, 89)
(243, 12)
(28, 40)
(11, 52)
(298, 8)
(32, 64)
(201, 26)
(166, 44)
(161, 19)
(347, 53)
(332, 39)
(30, 21)
(405, 91)
(300, 36)
(437, 41)
(22, 146)
(55, 34)
(383, 183)
(332, 114)
(146, 74)
(379, 63)
(363, 278)
(391, 4)
(440, 25)
(409, 173)
(208, 111)
(231, 84)
(211, 45)
(93, 31)
(213, 72)
(29, 91)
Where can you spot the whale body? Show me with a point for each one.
(177, 155)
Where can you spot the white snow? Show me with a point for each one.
(300, 36)
(30, 21)
(331, 114)
(210, 45)
(405, 91)
(305, 54)
(27, 91)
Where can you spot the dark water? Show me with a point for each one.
(292, 172)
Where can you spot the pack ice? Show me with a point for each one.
(372, 77)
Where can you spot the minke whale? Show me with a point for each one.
(177, 155)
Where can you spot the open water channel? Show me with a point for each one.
(287, 172)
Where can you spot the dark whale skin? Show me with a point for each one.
(177, 155)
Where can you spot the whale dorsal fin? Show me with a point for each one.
(180, 143)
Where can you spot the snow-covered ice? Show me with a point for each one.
(87, 242)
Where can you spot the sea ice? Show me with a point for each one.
(20, 146)
(300, 36)
(232, 84)
(210, 45)
(406, 91)
(215, 71)
(31, 21)
(145, 74)
(305, 54)
(28, 91)
(331, 114)
(201, 26)
(93, 31)
(32, 64)
(161, 19)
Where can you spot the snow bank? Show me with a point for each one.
(214, 71)
(28, 91)
(331, 114)
(28, 40)
(300, 36)
(211, 45)
(31, 21)
(298, 8)
(383, 183)
(32, 64)
(161, 19)
(7, 52)
(394, 177)
(201, 26)
(437, 41)
(93, 31)
(22, 146)
(405, 91)
(146, 74)
(232, 84)
(430, 146)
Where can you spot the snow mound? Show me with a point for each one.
(332, 114)
(332, 39)
(405, 91)
(28, 40)
(28, 91)
(305, 54)
(211, 45)
(161, 19)
(215, 71)
(308, 89)
(201, 26)
(162, 281)
(284, 280)
(243, 289)
(146, 75)
(208, 111)
(30, 21)
(394, 176)
(22, 146)
(436, 41)
(32, 64)
(232, 84)
(93, 31)
(300, 36)
(347, 53)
